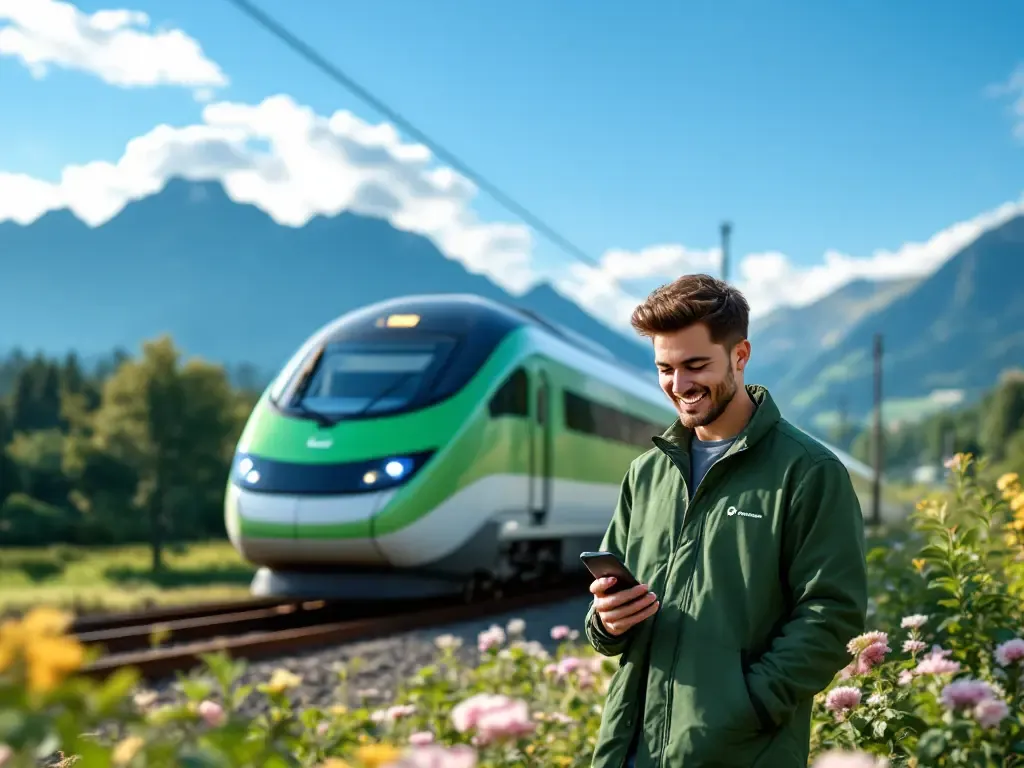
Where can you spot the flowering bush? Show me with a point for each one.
(937, 682)
(945, 688)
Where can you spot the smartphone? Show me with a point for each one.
(603, 564)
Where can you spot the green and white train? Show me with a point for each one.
(430, 444)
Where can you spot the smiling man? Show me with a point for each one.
(748, 539)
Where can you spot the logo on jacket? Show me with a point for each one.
(314, 443)
(733, 511)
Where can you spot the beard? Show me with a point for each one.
(705, 411)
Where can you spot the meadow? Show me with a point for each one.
(936, 681)
(91, 579)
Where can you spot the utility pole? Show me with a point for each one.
(726, 230)
(879, 440)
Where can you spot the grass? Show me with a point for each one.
(92, 579)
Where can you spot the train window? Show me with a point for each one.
(588, 417)
(513, 397)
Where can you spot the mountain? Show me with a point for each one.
(788, 339)
(946, 338)
(227, 281)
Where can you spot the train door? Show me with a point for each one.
(540, 448)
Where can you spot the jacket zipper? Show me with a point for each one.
(688, 587)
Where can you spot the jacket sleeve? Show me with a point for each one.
(614, 541)
(824, 561)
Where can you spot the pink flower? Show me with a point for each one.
(841, 700)
(212, 713)
(913, 646)
(871, 657)
(861, 642)
(936, 663)
(906, 677)
(434, 756)
(391, 714)
(6, 753)
(991, 712)
(913, 622)
(965, 693)
(838, 759)
(493, 717)
(560, 632)
(490, 638)
(421, 738)
(1010, 651)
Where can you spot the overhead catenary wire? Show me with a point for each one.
(308, 53)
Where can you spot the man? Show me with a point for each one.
(748, 540)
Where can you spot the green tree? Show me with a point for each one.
(35, 400)
(171, 428)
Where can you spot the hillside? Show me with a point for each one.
(227, 281)
(950, 335)
(787, 342)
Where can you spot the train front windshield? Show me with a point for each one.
(353, 378)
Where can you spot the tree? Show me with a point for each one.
(172, 427)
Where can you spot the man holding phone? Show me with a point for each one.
(748, 541)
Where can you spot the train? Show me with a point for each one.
(437, 445)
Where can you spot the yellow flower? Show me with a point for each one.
(334, 762)
(376, 755)
(282, 680)
(1017, 504)
(127, 749)
(919, 564)
(1007, 480)
(50, 659)
(338, 710)
(45, 622)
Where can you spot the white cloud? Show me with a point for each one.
(770, 279)
(293, 164)
(1013, 89)
(113, 45)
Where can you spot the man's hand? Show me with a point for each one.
(622, 610)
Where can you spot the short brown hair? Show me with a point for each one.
(695, 299)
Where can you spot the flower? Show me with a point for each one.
(421, 738)
(990, 712)
(377, 755)
(1007, 481)
(871, 657)
(6, 753)
(906, 677)
(492, 716)
(1010, 651)
(516, 627)
(212, 713)
(861, 642)
(561, 632)
(281, 680)
(448, 642)
(936, 663)
(432, 756)
(840, 759)
(916, 621)
(966, 693)
(913, 646)
(490, 638)
(841, 700)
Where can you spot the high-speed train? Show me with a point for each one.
(433, 444)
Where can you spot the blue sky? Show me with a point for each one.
(812, 126)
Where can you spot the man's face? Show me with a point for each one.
(697, 375)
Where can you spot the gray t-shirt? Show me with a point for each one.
(702, 456)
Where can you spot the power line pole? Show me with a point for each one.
(879, 442)
(726, 230)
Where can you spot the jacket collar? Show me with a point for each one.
(765, 417)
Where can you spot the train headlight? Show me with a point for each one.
(396, 468)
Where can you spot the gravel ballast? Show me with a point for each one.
(385, 662)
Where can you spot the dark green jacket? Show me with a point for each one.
(762, 582)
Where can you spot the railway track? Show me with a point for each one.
(267, 628)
